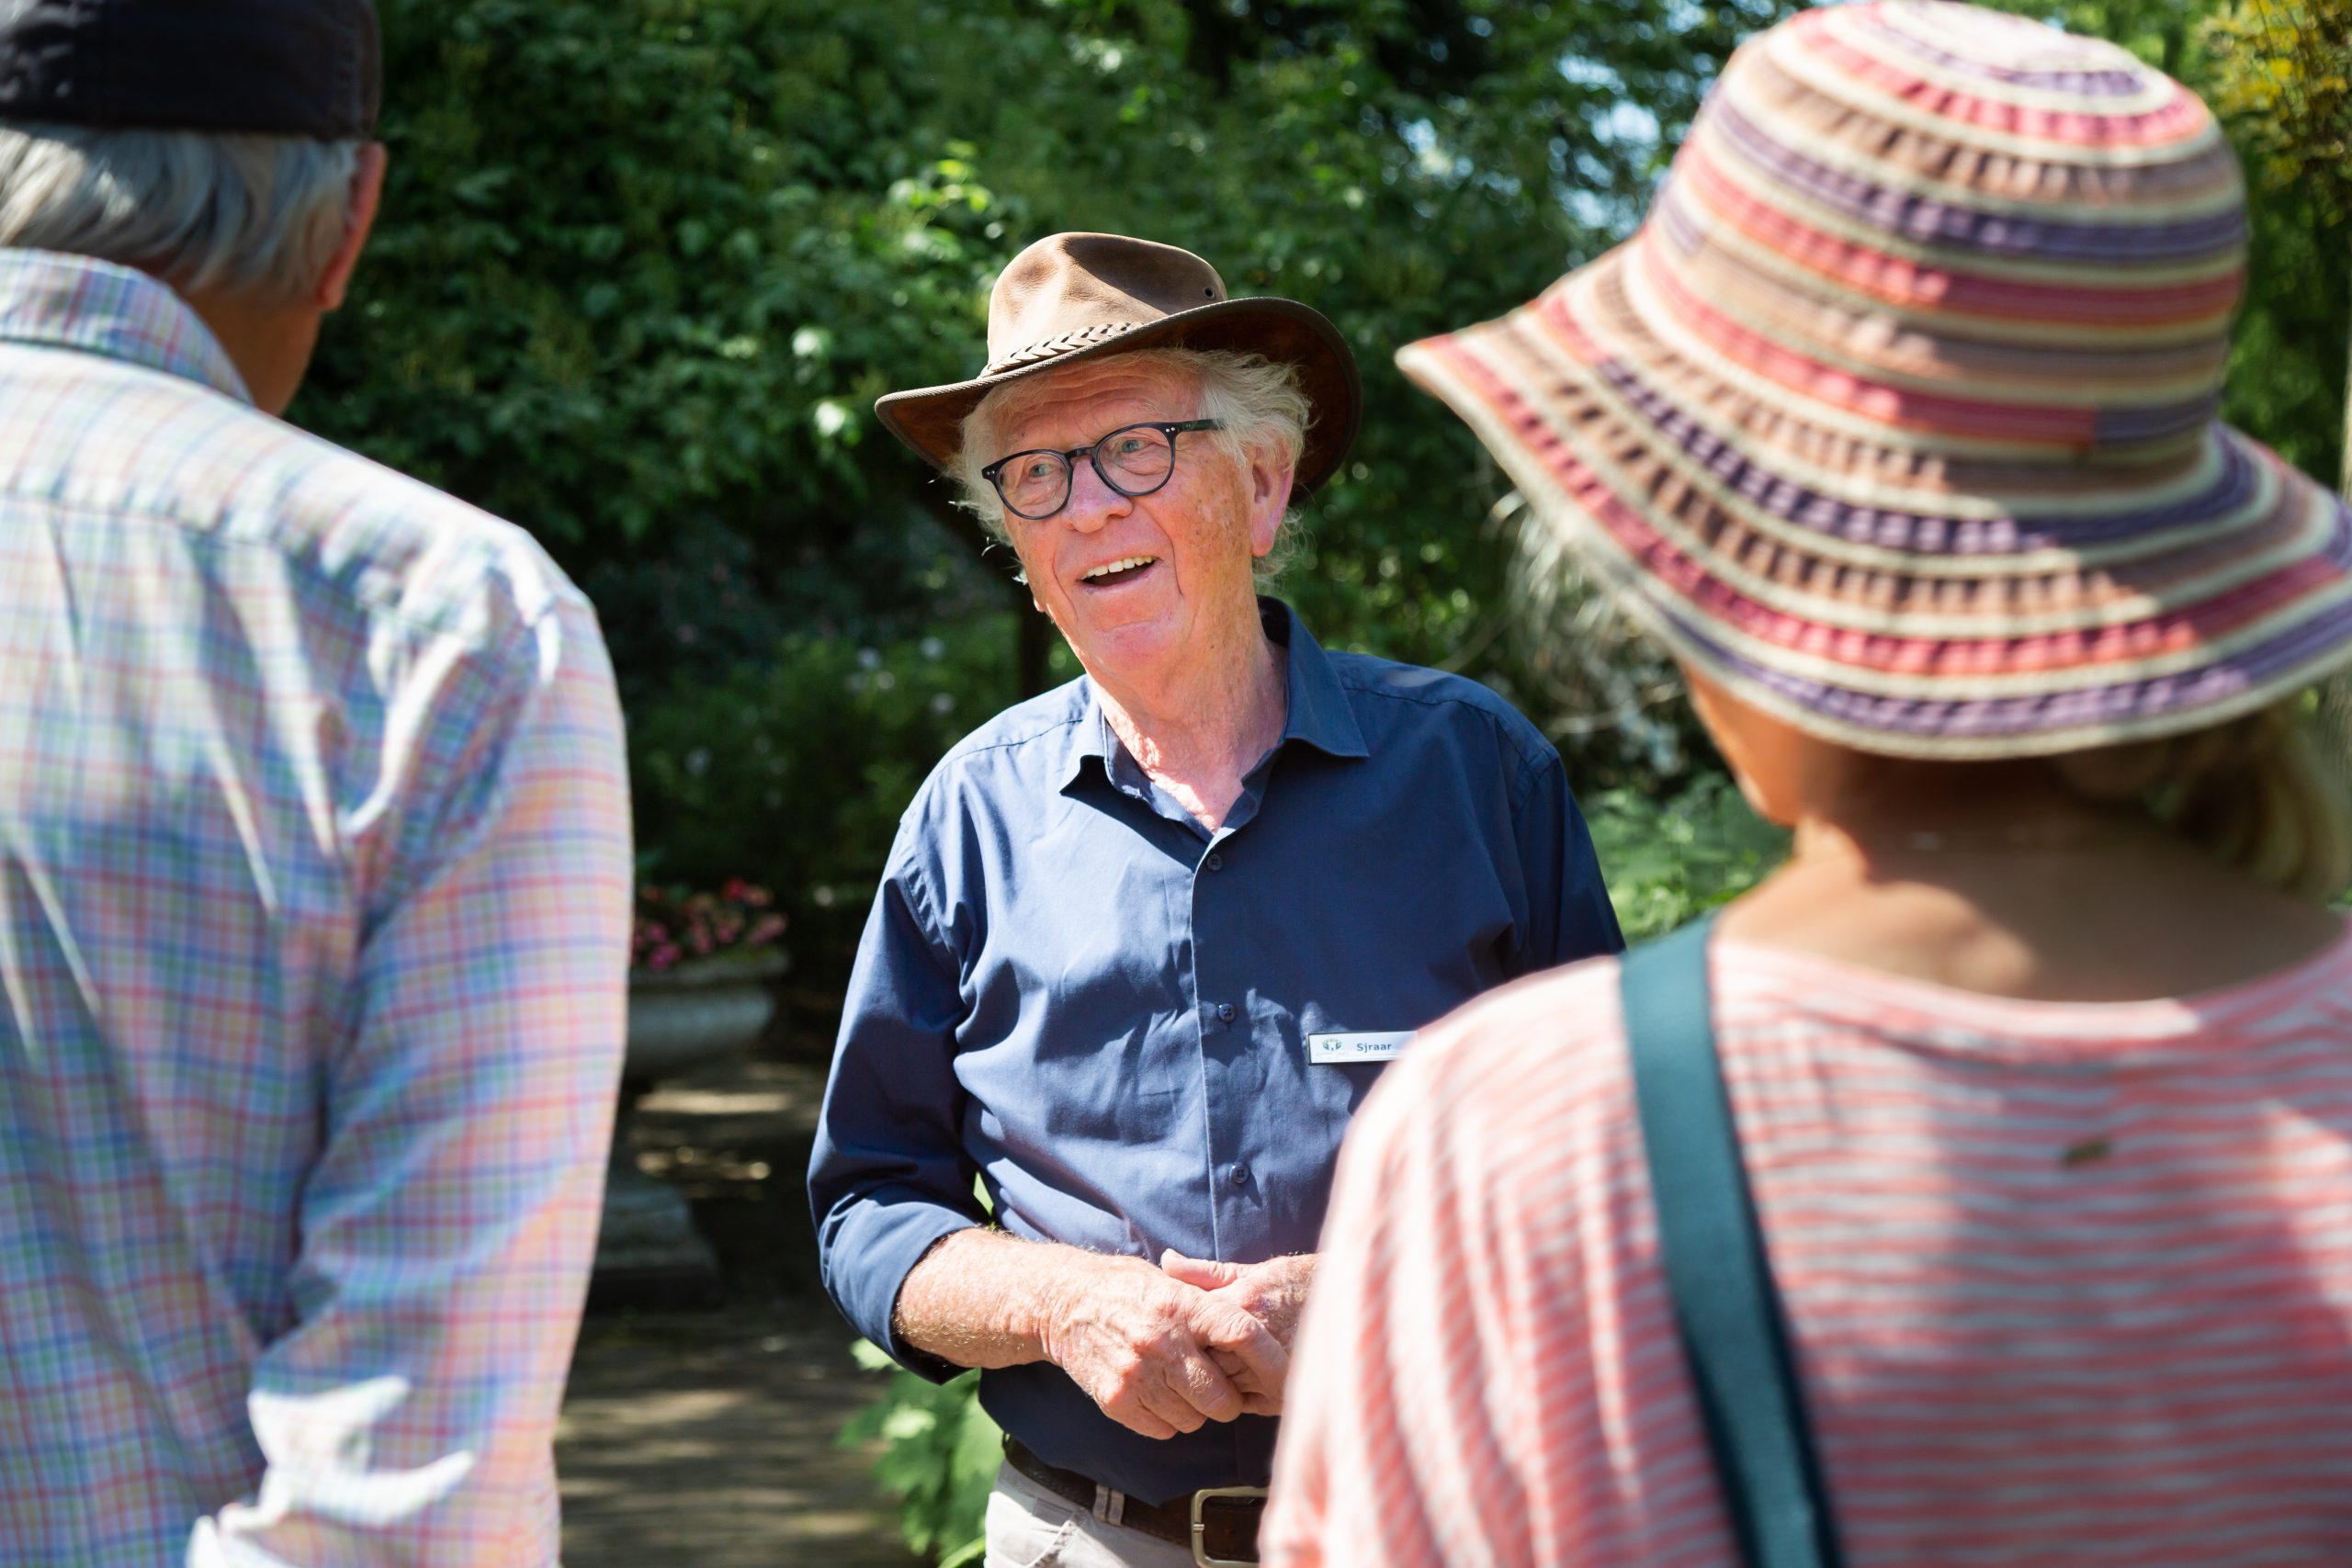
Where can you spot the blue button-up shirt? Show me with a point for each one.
(1073, 991)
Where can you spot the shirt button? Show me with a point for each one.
(1216, 862)
(1225, 1012)
(1238, 1175)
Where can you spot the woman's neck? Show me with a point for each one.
(2003, 882)
(1198, 730)
(1894, 812)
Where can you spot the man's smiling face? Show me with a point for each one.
(1138, 583)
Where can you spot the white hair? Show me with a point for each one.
(1258, 400)
(250, 215)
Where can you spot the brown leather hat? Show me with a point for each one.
(1072, 297)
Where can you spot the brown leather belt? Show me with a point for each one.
(1218, 1525)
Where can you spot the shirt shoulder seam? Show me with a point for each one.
(973, 748)
(911, 866)
(1525, 757)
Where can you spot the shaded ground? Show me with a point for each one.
(706, 1437)
(707, 1440)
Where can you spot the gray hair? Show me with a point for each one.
(249, 215)
(1258, 399)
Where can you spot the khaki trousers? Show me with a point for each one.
(1031, 1527)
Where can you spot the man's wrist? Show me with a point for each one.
(1017, 1294)
(1052, 1291)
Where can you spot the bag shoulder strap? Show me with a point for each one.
(1733, 1330)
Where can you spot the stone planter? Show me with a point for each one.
(699, 1012)
(648, 1252)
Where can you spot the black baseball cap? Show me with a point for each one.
(275, 67)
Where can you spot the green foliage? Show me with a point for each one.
(2279, 79)
(637, 265)
(792, 770)
(939, 1459)
(1669, 860)
(645, 264)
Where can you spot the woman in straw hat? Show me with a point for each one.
(2021, 1230)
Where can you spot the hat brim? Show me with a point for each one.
(1892, 593)
(930, 419)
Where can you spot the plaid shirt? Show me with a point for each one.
(314, 886)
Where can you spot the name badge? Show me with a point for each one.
(1345, 1050)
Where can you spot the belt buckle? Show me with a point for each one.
(1200, 1528)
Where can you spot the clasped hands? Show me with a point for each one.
(1168, 1350)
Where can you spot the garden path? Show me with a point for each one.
(707, 1437)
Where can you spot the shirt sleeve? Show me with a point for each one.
(447, 1228)
(1569, 914)
(890, 1175)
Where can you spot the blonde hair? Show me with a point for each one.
(2256, 792)
(1258, 400)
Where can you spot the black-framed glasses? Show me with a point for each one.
(1134, 460)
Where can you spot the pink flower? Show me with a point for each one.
(672, 923)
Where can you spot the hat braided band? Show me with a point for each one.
(1083, 338)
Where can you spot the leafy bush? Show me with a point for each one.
(644, 264)
(792, 772)
(1670, 861)
(941, 1457)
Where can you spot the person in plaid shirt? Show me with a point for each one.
(314, 858)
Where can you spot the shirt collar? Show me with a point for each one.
(53, 301)
(1320, 714)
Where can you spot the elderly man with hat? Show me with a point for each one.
(1144, 942)
(314, 865)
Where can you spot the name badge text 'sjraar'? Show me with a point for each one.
(1353, 1050)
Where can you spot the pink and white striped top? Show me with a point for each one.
(2069, 1283)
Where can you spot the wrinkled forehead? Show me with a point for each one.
(1077, 402)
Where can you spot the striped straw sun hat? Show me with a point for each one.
(1896, 417)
